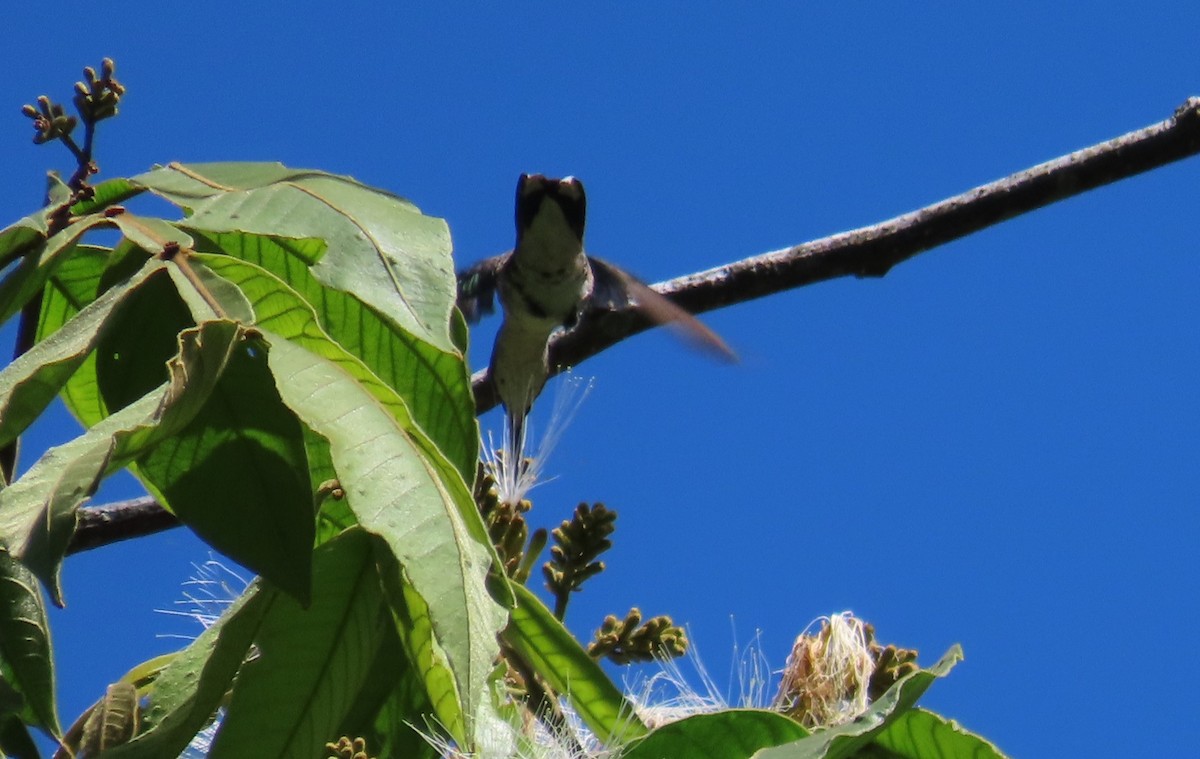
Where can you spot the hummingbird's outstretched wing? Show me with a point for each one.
(614, 288)
(477, 287)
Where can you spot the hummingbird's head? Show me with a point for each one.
(550, 207)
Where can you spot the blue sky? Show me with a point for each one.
(996, 444)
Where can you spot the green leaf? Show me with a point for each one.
(11, 700)
(73, 285)
(132, 355)
(31, 381)
(281, 310)
(845, 740)
(186, 184)
(88, 273)
(319, 657)
(555, 654)
(150, 234)
(15, 739)
(27, 278)
(21, 237)
(415, 629)
(25, 641)
(144, 674)
(379, 246)
(186, 694)
(106, 194)
(391, 706)
(921, 734)
(402, 489)
(237, 474)
(38, 511)
(728, 734)
(434, 384)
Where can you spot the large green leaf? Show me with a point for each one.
(25, 641)
(434, 384)
(72, 286)
(403, 490)
(236, 474)
(319, 657)
(38, 511)
(379, 246)
(845, 740)
(555, 654)
(280, 309)
(30, 382)
(184, 697)
(132, 356)
(84, 276)
(921, 734)
(728, 734)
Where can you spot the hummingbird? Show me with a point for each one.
(544, 284)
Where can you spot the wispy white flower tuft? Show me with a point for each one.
(670, 695)
(207, 594)
(517, 466)
(828, 674)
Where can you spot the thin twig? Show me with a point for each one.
(867, 252)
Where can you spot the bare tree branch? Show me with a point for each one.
(113, 522)
(872, 251)
(867, 252)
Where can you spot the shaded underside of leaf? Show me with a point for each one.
(415, 630)
(132, 356)
(15, 739)
(391, 706)
(319, 656)
(237, 474)
(921, 734)
(25, 642)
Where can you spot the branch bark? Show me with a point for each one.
(866, 252)
(114, 522)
